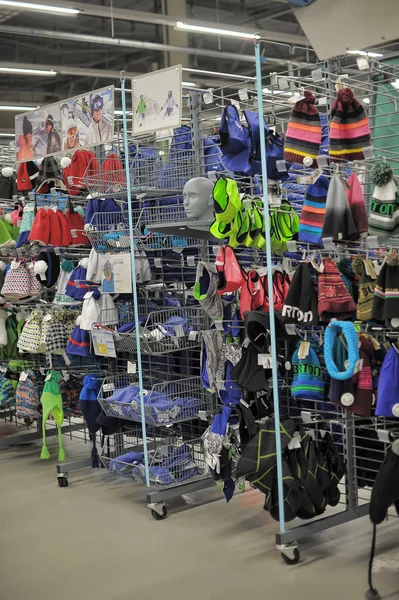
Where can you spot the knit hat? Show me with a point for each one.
(83, 162)
(303, 135)
(334, 298)
(49, 176)
(26, 224)
(70, 391)
(51, 401)
(312, 216)
(40, 231)
(386, 292)
(385, 492)
(91, 310)
(365, 269)
(333, 331)
(91, 408)
(78, 285)
(47, 268)
(300, 305)
(75, 224)
(26, 176)
(66, 268)
(94, 272)
(308, 376)
(384, 213)
(8, 186)
(56, 339)
(17, 282)
(349, 128)
(338, 221)
(79, 341)
(7, 391)
(357, 206)
(29, 340)
(388, 386)
(28, 394)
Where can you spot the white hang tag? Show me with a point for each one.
(158, 263)
(303, 350)
(246, 343)
(23, 376)
(306, 416)
(290, 329)
(372, 241)
(383, 436)
(243, 94)
(265, 361)
(57, 251)
(368, 152)
(322, 101)
(358, 366)
(219, 325)
(292, 246)
(281, 166)
(328, 243)
(274, 199)
(108, 387)
(317, 75)
(295, 442)
(283, 83)
(88, 295)
(191, 261)
(65, 375)
(48, 377)
(192, 336)
(220, 384)
(362, 63)
(131, 367)
(208, 97)
(179, 331)
(322, 161)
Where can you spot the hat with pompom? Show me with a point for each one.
(384, 213)
(303, 136)
(349, 128)
(47, 268)
(8, 184)
(386, 292)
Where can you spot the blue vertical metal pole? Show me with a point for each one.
(134, 282)
(270, 290)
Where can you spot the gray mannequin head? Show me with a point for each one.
(198, 199)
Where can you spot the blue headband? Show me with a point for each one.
(335, 329)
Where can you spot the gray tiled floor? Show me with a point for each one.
(96, 540)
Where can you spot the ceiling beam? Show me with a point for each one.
(123, 43)
(76, 71)
(96, 10)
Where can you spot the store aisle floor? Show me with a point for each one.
(96, 540)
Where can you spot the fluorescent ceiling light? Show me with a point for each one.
(27, 71)
(364, 53)
(16, 108)
(395, 84)
(217, 74)
(120, 112)
(43, 7)
(11, 135)
(217, 31)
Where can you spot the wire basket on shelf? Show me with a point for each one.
(172, 401)
(174, 458)
(161, 330)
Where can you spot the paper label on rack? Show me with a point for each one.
(219, 325)
(281, 166)
(65, 375)
(322, 101)
(48, 377)
(192, 336)
(274, 199)
(215, 250)
(246, 343)
(306, 416)
(383, 436)
(304, 179)
(103, 343)
(202, 415)
(131, 367)
(108, 387)
(322, 161)
(179, 331)
(362, 63)
(243, 94)
(291, 246)
(295, 443)
(191, 261)
(290, 329)
(328, 243)
(283, 83)
(265, 361)
(317, 75)
(368, 152)
(303, 350)
(23, 376)
(372, 241)
(158, 263)
(57, 251)
(88, 295)
(220, 384)
(208, 97)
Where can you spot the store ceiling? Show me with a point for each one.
(85, 51)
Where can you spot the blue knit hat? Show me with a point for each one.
(313, 211)
(90, 408)
(308, 376)
(78, 285)
(388, 386)
(335, 329)
(27, 395)
(79, 342)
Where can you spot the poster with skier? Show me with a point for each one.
(157, 100)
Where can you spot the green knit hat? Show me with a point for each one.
(51, 401)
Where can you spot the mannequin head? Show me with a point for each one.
(198, 199)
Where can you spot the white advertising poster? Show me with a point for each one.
(157, 100)
(116, 273)
(38, 133)
(88, 120)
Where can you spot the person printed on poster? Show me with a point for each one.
(72, 140)
(53, 138)
(170, 105)
(108, 284)
(26, 150)
(99, 130)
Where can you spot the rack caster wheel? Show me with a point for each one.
(160, 513)
(62, 482)
(292, 560)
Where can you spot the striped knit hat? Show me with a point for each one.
(349, 128)
(334, 298)
(384, 214)
(314, 208)
(386, 293)
(308, 376)
(303, 135)
(365, 269)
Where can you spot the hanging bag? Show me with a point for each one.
(230, 274)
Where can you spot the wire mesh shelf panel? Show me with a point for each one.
(166, 330)
(174, 459)
(151, 169)
(172, 401)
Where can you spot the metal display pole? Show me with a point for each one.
(134, 282)
(270, 290)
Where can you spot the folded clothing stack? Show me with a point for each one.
(169, 466)
(159, 407)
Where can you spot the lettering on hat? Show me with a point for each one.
(293, 312)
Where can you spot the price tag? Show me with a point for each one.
(48, 377)
(358, 366)
(57, 251)
(220, 384)
(283, 83)
(65, 375)
(328, 243)
(192, 336)
(246, 343)
(368, 152)
(323, 101)
(383, 436)
(88, 295)
(108, 387)
(179, 331)
(265, 361)
(23, 376)
(158, 263)
(208, 97)
(103, 343)
(131, 367)
(291, 246)
(295, 443)
(306, 416)
(243, 94)
(191, 261)
(372, 241)
(42, 370)
(281, 166)
(362, 63)
(317, 75)
(303, 350)
(219, 325)
(290, 329)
